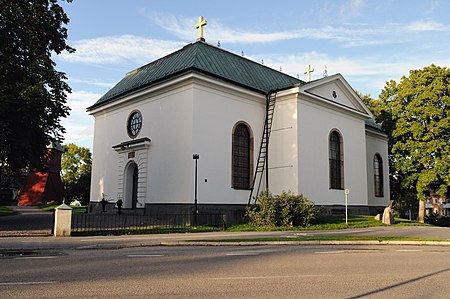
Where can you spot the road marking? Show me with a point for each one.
(145, 255)
(268, 277)
(35, 241)
(409, 250)
(330, 252)
(334, 232)
(27, 282)
(35, 257)
(242, 253)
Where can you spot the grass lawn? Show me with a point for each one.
(6, 212)
(328, 223)
(322, 223)
(75, 209)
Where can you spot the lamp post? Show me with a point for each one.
(195, 157)
(346, 192)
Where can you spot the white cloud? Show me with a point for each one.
(425, 26)
(119, 49)
(79, 125)
(368, 74)
(78, 101)
(349, 34)
(93, 82)
(351, 9)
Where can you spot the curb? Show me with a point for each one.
(113, 246)
(258, 243)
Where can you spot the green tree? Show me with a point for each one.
(76, 166)
(405, 195)
(415, 113)
(32, 92)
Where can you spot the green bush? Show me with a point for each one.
(285, 209)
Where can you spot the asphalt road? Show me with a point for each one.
(230, 272)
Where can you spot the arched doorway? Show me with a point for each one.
(131, 186)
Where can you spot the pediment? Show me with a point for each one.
(337, 92)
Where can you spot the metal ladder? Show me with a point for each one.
(262, 163)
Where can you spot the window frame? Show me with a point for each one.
(134, 125)
(241, 157)
(336, 160)
(378, 178)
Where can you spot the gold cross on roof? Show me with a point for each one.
(308, 72)
(199, 26)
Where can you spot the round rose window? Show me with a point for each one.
(134, 123)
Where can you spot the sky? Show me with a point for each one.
(369, 42)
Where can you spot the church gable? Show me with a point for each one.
(336, 91)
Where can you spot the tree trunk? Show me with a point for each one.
(421, 211)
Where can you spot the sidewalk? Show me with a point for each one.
(188, 239)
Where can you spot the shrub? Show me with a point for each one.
(285, 209)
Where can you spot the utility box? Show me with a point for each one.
(63, 221)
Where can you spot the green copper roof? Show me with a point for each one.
(203, 58)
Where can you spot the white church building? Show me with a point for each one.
(251, 126)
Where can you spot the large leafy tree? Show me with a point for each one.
(415, 113)
(76, 168)
(405, 195)
(32, 92)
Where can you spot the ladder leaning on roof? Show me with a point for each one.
(262, 163)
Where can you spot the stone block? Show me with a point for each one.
(63, 221)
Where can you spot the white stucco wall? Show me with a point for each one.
(196, 115)
(283, 150)
(216, 111)
(167, 121)
(376, 144)
(197, 118)
(314, 126)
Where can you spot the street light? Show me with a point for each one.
(346, 192)
(195, 157)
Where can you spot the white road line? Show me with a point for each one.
(330, 252)
(334, 232)
(27, 282)
(242, 253)
(409, 250)
(35, 257)
(268, 277)
(145, 255)
(34, 241)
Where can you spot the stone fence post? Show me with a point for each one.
(63, 221)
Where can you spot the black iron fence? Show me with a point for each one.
(82, 223)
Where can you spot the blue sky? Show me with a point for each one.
(368, 42)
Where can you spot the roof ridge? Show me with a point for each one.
(247, 59)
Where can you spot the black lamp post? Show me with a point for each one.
(195, 157)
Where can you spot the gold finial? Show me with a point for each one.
(308, 72)
(199, 26)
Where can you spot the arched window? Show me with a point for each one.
(378, 175)
(241, 157)
(336, 161)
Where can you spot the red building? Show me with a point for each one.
(41, 188)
